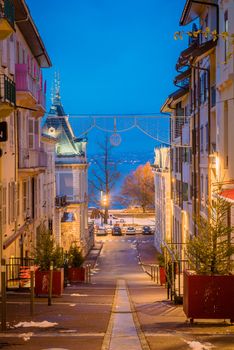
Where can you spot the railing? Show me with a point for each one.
(25, 82)
(153, 271)
(32, 158)
(60, 201)
(18, 272)
(7, 89)
(7, 10)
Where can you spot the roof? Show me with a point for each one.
(166, 107)
(26, 25)
(193, 9)
(228, 195)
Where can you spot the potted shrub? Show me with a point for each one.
(209, 286)
(76, 273)
(48, 255)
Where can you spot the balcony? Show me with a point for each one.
(32, 160)
(7, 18)
(26, 87)
(60, 201)
(7, 96)
(41, 104)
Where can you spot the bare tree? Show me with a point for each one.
(105, 175)
(138, 187)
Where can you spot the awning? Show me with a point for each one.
(228, 195)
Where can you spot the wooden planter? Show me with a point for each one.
(208, 297)
(162, 275)
(76, 274)
(42, 282)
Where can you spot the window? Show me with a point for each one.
(201, 138)
(11, 204)
(207, 186)
(226, 40)
(18, 201)
(207, 137)
(202, 186)
(66, 185)
(24, 197)
(4, 200)
(31, 133)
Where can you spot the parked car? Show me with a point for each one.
(130, 230)
(116, 231)
(101, 231)
(146, 230)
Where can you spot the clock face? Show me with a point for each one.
(51, 130)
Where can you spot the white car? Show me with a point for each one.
(130, 230)
(101, 231)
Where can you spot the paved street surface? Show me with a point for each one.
(120, 309)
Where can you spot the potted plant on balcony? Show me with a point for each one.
(209, 286)
(48, 255)
(76, 273)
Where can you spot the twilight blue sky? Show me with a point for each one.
(114, 56)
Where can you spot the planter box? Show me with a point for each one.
(208, 297)
(42, 282)
(76, 274)
(162, 275)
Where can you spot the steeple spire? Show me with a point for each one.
(56, 107)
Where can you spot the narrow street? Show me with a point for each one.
(120, 309)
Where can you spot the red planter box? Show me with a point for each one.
(162, 275)
(76, 274)
(42, 282)
(208, 296)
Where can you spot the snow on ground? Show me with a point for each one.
(196, 345)
(43, 324)
(78, 295)
(26, 336)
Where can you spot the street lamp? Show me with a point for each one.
(104, 204)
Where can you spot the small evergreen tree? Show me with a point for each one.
(209, 252)
(75, 258)
(46, 252)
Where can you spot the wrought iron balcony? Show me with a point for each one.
(7, 18)
(60, 201)
(32, 159)
(7, 95)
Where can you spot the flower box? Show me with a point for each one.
(76, 274)
(42, 282)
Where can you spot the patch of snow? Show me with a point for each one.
(43, 324)
(196, 345)
(25, 336)
(78, 295)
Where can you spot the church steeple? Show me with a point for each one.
(56, 107)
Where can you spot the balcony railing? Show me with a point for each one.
(7, 18)
(7, 90)
(7, 11)
(60, 201)
(32, 158)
